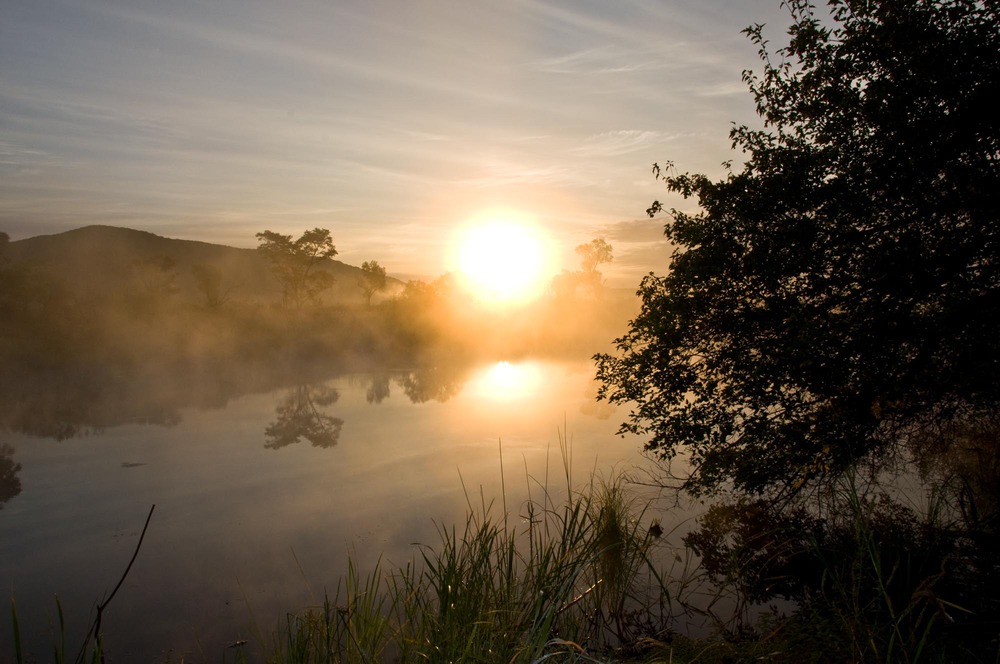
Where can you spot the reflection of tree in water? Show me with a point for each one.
(299, 417)
(10, 484)
(378, 388)
(66, 406)
(437, 382)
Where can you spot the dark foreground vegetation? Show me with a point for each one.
(830, 314)
(595, 574)
(821, 361)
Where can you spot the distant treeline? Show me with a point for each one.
(100, 317)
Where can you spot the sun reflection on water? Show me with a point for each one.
(507, 381)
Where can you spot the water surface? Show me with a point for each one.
(259, 501)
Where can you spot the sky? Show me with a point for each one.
(391, 123)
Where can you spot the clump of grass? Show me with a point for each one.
(95, 654)
(565, 582)
(350, 627)
(889, 579)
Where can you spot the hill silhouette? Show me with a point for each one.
(99, 261)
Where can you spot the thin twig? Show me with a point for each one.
(103, 605)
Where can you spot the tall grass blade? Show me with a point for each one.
(18, 656)
(60, 649)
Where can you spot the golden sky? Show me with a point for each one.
(390, 123)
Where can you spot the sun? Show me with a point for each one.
(500, 257)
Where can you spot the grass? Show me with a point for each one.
(872, 580)
(571, 581)
(584, 575)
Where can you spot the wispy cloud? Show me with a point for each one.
(18, 161)
(620, 142)
(507, 174)
(604, 59)
(373, 118)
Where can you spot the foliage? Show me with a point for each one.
(153, 285)
(297, 263)
(964, 459)
(18, 289)
(208, 278)
(156, 277)
(372, 279)
(424, 314)
(587, 281)
(840, 292)
(594, 253)
(882, 580)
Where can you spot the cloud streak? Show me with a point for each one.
(377, 119)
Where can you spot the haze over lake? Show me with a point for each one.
(243, 532)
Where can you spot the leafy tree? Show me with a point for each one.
(838, 294)
(12, 281)
(372, 280)
(594, 253)
(208, 278)
(156, 276)
(296, 263)
(154, 283)
(568, 286)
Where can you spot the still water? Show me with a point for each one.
(260, 500)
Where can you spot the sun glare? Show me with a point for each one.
(502, 259)
(506, 381)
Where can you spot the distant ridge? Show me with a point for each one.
(97, 261)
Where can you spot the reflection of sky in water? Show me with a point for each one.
(239, 527)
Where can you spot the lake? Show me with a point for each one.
(260, 499)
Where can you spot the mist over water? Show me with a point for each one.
(274, 435)
(253, 520)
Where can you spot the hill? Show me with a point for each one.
(100, 261)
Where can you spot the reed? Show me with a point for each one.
(566, 582)
(583, 574)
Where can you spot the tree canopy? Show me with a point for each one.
(594, 253)
(836, 295)
(295, 263)
(372, 280)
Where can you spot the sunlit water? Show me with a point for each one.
(250, 525)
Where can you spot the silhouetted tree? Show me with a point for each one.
(594, 253)
(154, 283)
(208, 278)
(373, 279)
(840, 291)
(13, 282)
(156, 276)
(587, 281)
(423, 314)
(296, 263)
